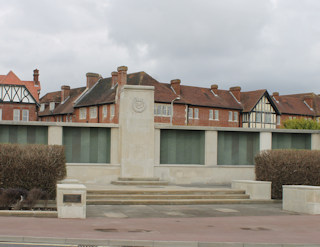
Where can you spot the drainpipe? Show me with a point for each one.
(171, 115)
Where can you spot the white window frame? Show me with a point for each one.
(25, 115)
(190, 113)
(16, 115)
(196, 113)
(104, 111)
(230, 116)
(210, 114)
(93, 112)
(268, 118)
(42, 106)
(278, 120)
(216, 115)
(235, 116)
(52, 106)
(83, 113)
(258, 119)
(0, 114)
(112, 111)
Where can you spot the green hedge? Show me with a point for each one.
(32, 166)
(288, 167)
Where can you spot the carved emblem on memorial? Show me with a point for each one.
(138, 105)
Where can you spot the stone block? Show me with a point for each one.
(71, 200)
(260, 190)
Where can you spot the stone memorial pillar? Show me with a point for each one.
(136, 122)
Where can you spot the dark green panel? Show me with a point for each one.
(291, 141)
(23, 134)
(87, 145)
(237, 148)
(182, 147)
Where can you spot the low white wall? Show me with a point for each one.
(256, 189)
(100, 174)
(186, 174)
(301, 199)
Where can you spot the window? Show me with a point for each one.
(0, 114)
(52, 105)
(42, 106)
(290, 118)
(278, 120)
(112, 111)
(83, 113)
(162, 110)
(230, 116)
(196, 113)
(25, 115)
(16, 115)
(70, 119)
(268, 118)
(104, 111)
(216, 115)
(210, 114)
(258, 117)
(235, 116)
(190, 113)
(93, 112)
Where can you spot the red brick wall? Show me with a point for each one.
(285, 117)
(7, 110)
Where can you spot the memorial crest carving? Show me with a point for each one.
(138, 105)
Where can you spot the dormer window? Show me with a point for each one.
(52, 105)
(42, 106)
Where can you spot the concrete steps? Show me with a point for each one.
(139, 181)
(156, 196)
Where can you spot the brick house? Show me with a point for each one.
(295, 106)
(175, 104)
(19, 99)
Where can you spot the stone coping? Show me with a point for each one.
(251, 181)
(302, 187)
(29, 213)
(71, 186)
(138, 87)
(177, 127)
(144, 243)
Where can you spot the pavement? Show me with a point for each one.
(229, 225)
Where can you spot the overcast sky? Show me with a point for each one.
(255, 44)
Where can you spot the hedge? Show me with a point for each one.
(288, 167)
(32, 166)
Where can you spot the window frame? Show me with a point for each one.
(23, 115)
(83, 113)
(93, 112)
(15, 115)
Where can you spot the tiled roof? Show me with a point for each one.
(250, 99)
(12, 79)
(293, 104)
(163, 93)
(66, 107)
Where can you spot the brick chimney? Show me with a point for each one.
(114, 78)
(214, 89)
(36, 77)
(275, 95)
(65, 92)
(92, 78)
(309, 100)
(236, 92)
(122, 75)
(175, 84)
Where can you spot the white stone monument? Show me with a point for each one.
(136, 120)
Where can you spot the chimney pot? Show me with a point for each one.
(214, 88)
(65, 92)
(175, 84)
(92, 78)
(309, 100)
(236, 91)
(36, 76)
(114, 78)
(122, 75)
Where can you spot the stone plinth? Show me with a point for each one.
(301, 199)
(256, 189)
(136, 122)
(71, 200)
